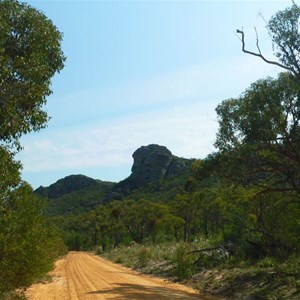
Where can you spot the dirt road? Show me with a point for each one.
(82, 276)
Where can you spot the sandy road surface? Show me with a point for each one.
(86, 276)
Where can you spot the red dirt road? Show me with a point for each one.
(82, 276)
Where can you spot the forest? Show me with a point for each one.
(237, 208)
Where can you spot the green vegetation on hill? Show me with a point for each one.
(66, 185)
(90, 216)
(74, 194)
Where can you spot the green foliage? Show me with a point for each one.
(9, 173)
(79, 201)
(266, 262)
(259, 142)
(28, 245)
(30, 55)
(143, 256)
(184, 262)
(284, 31)
(14, 295)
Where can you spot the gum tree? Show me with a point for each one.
(30, 55)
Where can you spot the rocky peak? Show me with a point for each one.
(151, 164)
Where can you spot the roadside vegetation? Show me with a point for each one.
(30, 55)
(213, 272)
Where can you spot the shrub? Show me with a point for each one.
(184, 262)
(143, 255)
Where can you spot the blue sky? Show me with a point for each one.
(142, 72)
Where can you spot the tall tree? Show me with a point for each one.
(284, 32)
(30, 55)
(260, 132)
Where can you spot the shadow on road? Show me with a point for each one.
(135, 291)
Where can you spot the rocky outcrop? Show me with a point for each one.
(151, 164)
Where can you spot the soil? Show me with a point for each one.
(82, 275)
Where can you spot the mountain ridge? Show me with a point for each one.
(152, 165)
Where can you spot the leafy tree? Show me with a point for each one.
(9, 173)
(259, 134)
(259, 140)
(186, 207)
(117, 225)
(283, 29)
(28, 244)
(30, 54)
(143, 219)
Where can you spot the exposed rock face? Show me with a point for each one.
(151, 164)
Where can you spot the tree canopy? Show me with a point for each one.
(283, 30)
(30, 54)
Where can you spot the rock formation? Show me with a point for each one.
(151, 164)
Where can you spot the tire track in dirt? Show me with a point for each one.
(85, 276)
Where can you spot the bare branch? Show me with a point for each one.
(257, 43)
(263, 18)
(261, 56)
(204, 250)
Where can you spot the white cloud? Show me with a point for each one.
(175, 110)
(207, 82)
(185, 131)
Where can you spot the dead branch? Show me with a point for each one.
(259, 54)
(204, 250)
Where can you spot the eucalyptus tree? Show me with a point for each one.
(30, 55)
(284, 32)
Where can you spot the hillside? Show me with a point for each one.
(74, 194)
(156, 172)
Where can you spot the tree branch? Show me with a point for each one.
(204, 250)
(261, 56)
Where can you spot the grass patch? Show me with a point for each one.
(16, 295)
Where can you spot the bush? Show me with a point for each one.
(143, 255)
(28, 245)
(13, 296)
(266, 262)
(184, 263)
